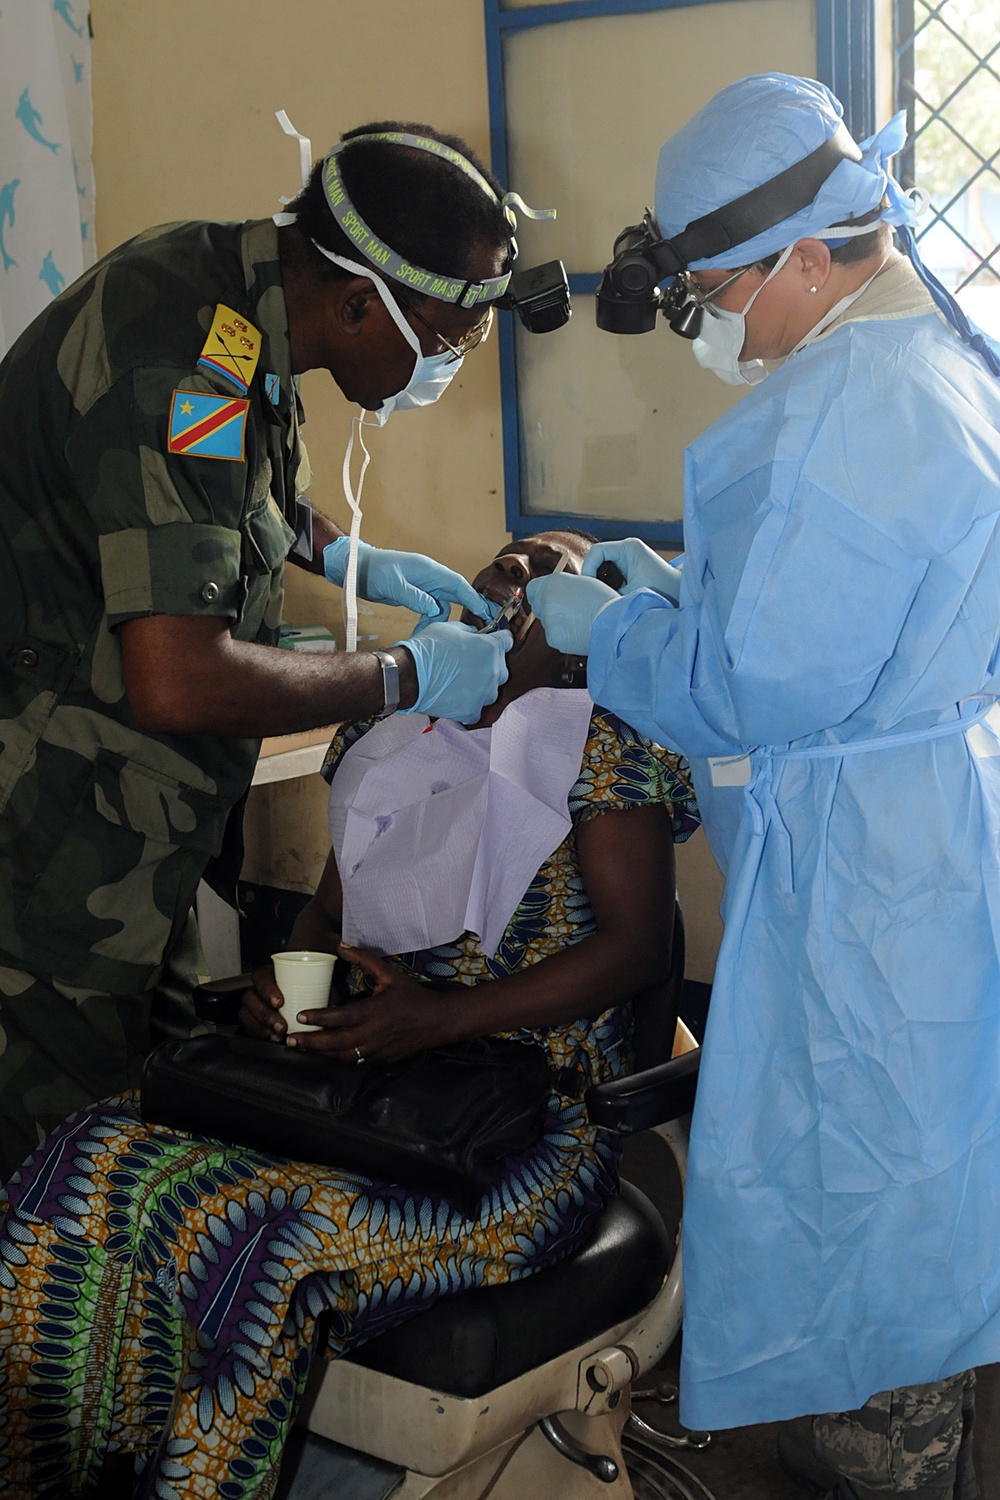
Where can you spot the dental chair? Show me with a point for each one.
(523, 1391)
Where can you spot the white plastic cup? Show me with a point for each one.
(304, 979)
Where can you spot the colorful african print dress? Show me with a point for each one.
(159, 1292)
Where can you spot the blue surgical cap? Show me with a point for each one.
(751, 131)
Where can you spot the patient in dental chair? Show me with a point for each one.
(159, 1292)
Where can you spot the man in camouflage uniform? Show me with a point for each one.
(149, 483)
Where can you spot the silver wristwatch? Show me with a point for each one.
(390, 683)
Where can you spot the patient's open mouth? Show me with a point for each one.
(514, 611)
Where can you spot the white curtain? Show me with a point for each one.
(46, 174)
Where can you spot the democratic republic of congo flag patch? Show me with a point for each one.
(232, 347)
(207, 426)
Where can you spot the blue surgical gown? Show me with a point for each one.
(835, 645)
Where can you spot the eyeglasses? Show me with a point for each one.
(700, 294)
(468, 341)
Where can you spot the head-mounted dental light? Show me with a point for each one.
(629, 295)
(539, 295)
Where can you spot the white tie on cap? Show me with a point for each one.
(305, 147)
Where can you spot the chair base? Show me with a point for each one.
(659, 1475)
(528, 1465)
(434, 1434)
(464, 1446)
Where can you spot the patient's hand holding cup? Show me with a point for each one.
(304, 978)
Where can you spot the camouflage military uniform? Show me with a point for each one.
(149, 465)
(913, 1442)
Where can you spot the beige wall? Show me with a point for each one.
(184, 99)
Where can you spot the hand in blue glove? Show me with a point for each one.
(405, 578)
(567, 606)
(458, 671)
(640, 566)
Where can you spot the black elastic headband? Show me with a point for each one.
(761, 208)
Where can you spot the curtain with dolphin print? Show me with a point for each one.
(46, 175)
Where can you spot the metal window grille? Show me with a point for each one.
(948, 81)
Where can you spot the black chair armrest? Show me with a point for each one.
(640, 1100)
(218, 1000)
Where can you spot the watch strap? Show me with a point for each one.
(390, 683)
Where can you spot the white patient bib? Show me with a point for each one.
(439, 830)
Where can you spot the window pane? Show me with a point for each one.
(606, 418)
(950, 83)
(589, 103)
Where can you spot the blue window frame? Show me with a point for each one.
(845, 60)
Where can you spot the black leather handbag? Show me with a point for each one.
(439, 1122)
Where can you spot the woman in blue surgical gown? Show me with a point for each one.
(829, 659)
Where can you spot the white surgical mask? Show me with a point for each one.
(431, 374)
(723, 334)
(429, 379)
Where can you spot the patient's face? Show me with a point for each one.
(517, 563)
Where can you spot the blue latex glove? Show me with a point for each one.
(641, 567)
(404, 578)
(567, 606)
(458, 671)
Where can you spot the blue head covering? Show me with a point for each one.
(752, 131)
(756, 128)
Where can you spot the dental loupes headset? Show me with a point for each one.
(629, 295)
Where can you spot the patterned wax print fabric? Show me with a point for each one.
(159, 1292)
(836, 642)
(149, 466)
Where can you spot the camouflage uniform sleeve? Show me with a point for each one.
(177, 532)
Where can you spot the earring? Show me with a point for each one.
(813, 289)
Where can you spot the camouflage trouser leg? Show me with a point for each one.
(62, 1047)
(915, 1441)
